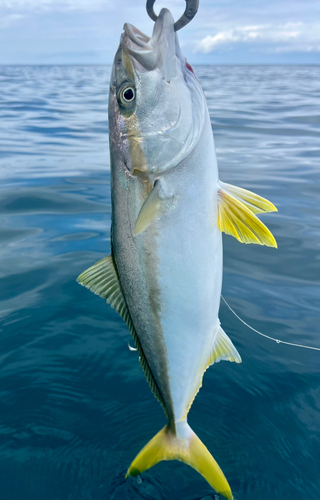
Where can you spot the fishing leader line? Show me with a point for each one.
(267, 336)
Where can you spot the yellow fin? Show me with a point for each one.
(257, 204)
(150, 210)
(236, 219)
(179, 442)
(223, 349)
(159, 201)
(102, 278)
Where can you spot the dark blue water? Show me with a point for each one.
(75, 407)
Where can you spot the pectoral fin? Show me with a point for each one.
(153, 208)
(236, 215)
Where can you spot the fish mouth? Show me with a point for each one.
(157, 51)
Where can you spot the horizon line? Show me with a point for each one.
(193, 64)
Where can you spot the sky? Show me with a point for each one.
(223, 31)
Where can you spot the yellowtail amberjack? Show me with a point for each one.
(169, 208)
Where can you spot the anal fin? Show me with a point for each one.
(223, 349)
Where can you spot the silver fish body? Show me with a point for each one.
(171, 273)
(164, 275)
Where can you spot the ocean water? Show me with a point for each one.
(75, 406)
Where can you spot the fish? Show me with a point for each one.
(169, 209)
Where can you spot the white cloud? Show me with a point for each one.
(61, 31)
(282, 37)
(56, 5)
(7, 21)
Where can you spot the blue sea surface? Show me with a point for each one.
(75, 407)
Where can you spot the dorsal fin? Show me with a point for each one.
(102, 278)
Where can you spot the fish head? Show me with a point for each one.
(156, 105)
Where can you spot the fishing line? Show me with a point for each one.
(267, 336)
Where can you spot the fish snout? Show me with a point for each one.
(157, 52)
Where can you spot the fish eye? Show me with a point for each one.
(127, 94)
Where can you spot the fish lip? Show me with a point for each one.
(147, 53)
(135, 36)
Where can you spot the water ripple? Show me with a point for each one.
(75, 404)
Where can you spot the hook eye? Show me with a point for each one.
(189, 13)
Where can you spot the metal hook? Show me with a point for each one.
(187, 16)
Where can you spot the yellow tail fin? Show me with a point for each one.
(179, 442)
